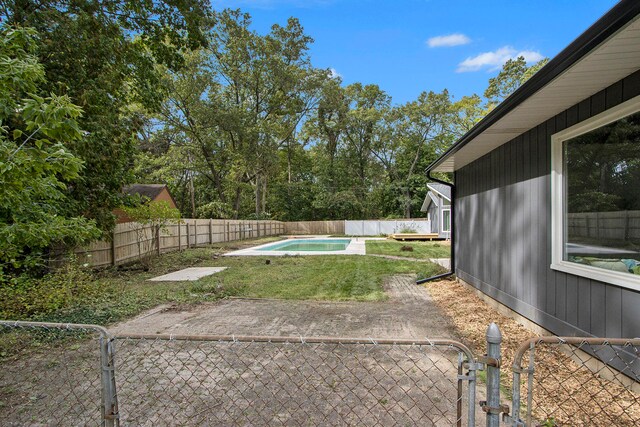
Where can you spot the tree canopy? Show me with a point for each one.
(97, 94)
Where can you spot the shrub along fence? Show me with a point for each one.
(130, 241)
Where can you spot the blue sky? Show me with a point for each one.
(410, 46)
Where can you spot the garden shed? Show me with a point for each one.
(437, 205)
(546, 196)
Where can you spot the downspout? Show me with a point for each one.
(453, 221)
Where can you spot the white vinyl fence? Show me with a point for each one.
(384, 227)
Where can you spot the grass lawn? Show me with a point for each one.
(124, 292)
(420, 249)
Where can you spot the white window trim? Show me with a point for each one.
(442, 221)
(625, 280)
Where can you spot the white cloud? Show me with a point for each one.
(333, 74)
(456, 39)
(492, 61)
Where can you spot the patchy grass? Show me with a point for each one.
(123, 292)
(339, 278)
(420, 249)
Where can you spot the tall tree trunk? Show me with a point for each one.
(289, 160)
(258, 194)
(407, 202)
(236, 202)
(193, 196)
(264, 194)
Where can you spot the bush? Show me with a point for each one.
(25, 297)
(408, 230)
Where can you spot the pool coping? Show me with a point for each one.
(356, 247)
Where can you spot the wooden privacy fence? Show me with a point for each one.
(131, 240)
(617, 226)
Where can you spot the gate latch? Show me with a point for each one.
(502, 409)
(489, 361)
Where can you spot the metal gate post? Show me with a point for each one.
(492, 407)
(110, 417)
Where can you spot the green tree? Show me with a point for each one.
(36, 168)
(233, 108)
(513, 74)
(267, 86)
(421, 132)
(102, 55)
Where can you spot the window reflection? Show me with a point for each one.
(602, 197)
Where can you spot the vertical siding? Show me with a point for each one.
(503, 236)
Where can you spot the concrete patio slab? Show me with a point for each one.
(188, 274)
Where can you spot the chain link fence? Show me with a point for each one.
(164, 380)
(79, 375)
(51, 374)
(577, 382)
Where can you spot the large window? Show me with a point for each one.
(596, 197)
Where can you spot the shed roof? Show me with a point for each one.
(441, 190)
(605, 53)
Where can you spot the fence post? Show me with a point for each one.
(113, 247)
(110, 416)
(210, 231)
(188, 237)
(158, 246)
(492, 405)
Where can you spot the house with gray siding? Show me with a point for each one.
(546, 188)
(437, 205)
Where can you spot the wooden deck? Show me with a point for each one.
(414, 236)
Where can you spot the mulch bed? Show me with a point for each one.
(565, 392)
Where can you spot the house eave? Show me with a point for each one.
(582, 69)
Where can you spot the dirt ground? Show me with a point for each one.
(408, 313)
(567, 393)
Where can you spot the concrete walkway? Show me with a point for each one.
(188, 274)
(408, 313)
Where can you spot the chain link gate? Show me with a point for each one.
(80, 374)
(56, 374)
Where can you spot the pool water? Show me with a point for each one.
(309, 245)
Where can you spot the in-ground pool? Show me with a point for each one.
(308, 245)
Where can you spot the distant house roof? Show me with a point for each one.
(146, 190)
(443, 190)
(435, 190)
